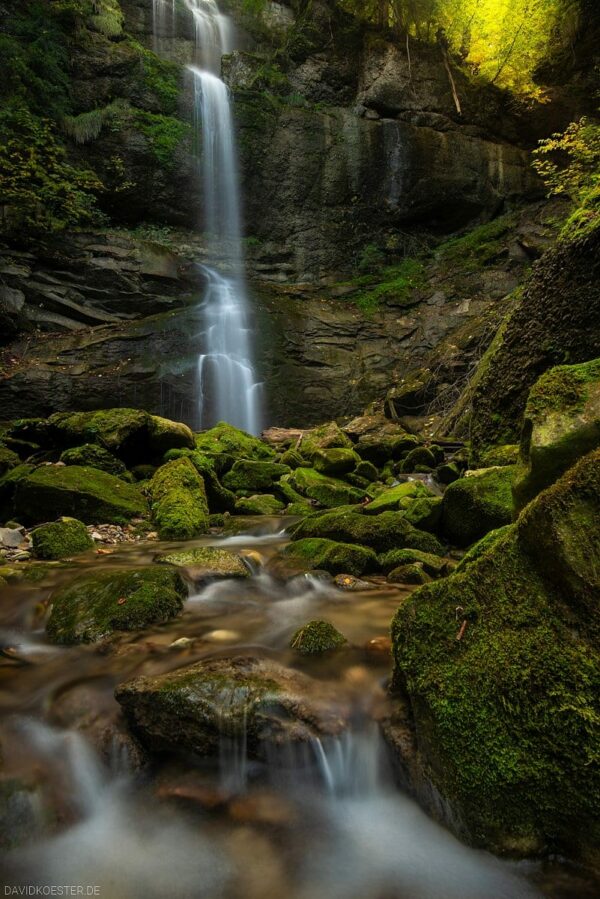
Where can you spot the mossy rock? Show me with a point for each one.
(411, 573)
(8, 460)
(248, 477)
(225, 439)
(328, 492)
(401, 496)
(329, 555)
(220, 499)
(288, 494)
(507, 715)
(478, 549)
(379, 449)
(61, 539)
(266, 504)
(92, 496)
(425, 514)
(95, 605)
(388, 530)
(503, 454)
(366, 470)
(324, 437)
(143, 472)
(395, 558)
(207, 562)
(335, 461)
(477, 504)
(266, 704)
(93, 456)
(317, 637)
(130, 434)
(179, 504)
(420, 458)
(293, 459)
(562, 424)
(447, 473)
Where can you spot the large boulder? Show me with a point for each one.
(388, 530)
(328, 492)
(248, 477)
(93, 456)
(88, 494)
(225, 439)
(329, 555)
(402, 496)
(95, 605)
(179, 505)
(323, 437)
(8, 460)
(477, 504)
(501, 663)
(61, 539)
(253, 699)
(207, 563)
(562, 424)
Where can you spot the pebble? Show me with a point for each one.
(351, 584)
(182, 643)
(221, 636)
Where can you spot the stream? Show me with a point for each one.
(329, 821)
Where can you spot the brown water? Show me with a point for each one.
(333, 823)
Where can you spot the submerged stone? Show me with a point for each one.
(316, 637)
(61, 539)
(252, 699)
(95, 605)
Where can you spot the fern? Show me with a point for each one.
(87, 126)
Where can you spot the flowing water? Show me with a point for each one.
(327, 821)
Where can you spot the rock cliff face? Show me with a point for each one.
(338, 159)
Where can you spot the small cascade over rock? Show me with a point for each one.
(228, 389)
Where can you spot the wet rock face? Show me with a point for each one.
(269, 704)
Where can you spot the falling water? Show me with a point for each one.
(228, 389)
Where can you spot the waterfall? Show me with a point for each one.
(228, 389)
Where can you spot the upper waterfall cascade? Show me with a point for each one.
(228, 388)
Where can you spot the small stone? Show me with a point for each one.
(22, 556)
(221, 636)
(10, 538)
(317, 637)
(181, 643)
(351, 584)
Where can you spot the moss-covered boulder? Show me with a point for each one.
(225, 439)
(411, 573)
(248, 477)
(95, 605)
(329, 555)
(131, 434)
(265, 504)
(501, 663)
(207, 563)
(379, 448)
(324, 437)
(477, 504)
(93, 456)
(71, 490)
(8, 460)
(478, 549)
(317, 637)
(562, 424)
(503, 454)
(425, 514)
(293, 459)
(395, 558)
(335, 461)
(399, 497)
(328, 492)
(266, 704)
(419, 459)
(220, 499)
(61, 539)
(179, 505)
(388, 530)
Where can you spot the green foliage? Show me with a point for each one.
(39, 190)
(160, 76)
(165, 134)
(87, 126)
(569, 164)
(107, 17)
(395, 285)
(479, 246)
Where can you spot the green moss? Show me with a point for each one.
(479, 247)
(383, 532)
(317, 637)
(267, 504)
(506, 454)
(507, 716)
(329, 555)
(394, 558)
(478, 504)
(8, 460)
(248, 477)
(328, 492)
(111, 428)
(61, 539)
(411, 573)
(425, 514)
(94, 606)
(224, 438)
(179, 504)
(91, 495)
(160, 76)
(420, 458)
(400, 497)
(325, 437)
(482, 546)
(335, 461)
(209, 561)
(95, 457)
(293, 459)
(397, 285)
(164, 133)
